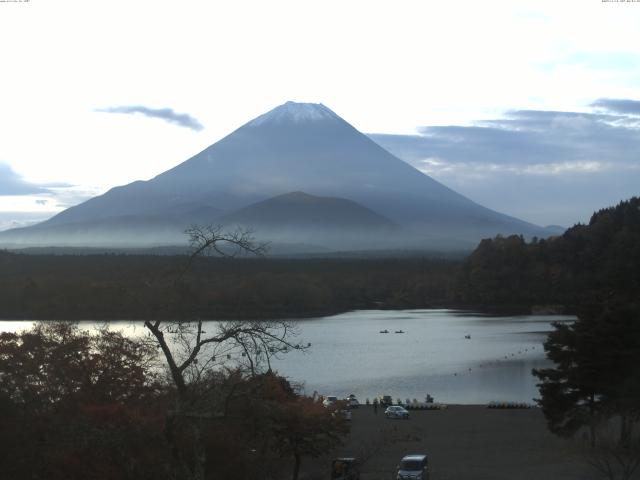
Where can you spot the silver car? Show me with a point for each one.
(413, 467)
(396, 411)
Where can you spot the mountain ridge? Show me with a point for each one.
(297, 147)
(301, 207)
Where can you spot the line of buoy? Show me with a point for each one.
(426, 406)
(497, 362)
(510, 405)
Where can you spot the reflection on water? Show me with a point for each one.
(349, 355)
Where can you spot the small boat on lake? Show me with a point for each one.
(384, 331)
(399, 331)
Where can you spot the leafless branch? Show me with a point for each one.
(213, 239)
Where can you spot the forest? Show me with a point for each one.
(106, 287)
(596, 262)
(592, 261)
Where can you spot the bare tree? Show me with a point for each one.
(193, 349)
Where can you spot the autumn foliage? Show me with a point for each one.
(94, 405)
(76, 405)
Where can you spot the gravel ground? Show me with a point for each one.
(462, 442)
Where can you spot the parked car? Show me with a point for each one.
(330, 400)
(385, 400)
(346, 414)
(413, 467)
(352, 401)
(396, 411)
(345, 468)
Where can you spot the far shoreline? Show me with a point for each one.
(494, 311)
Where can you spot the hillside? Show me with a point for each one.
(588, 263)
(330, 221)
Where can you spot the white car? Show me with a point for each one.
(330, 400)
(396, 411)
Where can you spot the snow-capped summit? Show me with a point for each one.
(296, 113)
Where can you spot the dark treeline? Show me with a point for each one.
(590, 262)
(587, 264)
(136, 286)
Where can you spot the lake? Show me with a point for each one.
(349, 355)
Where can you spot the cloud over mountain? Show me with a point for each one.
(566, 155)
(620, 106)
(13, 184)
(25, 203)
(166, 114)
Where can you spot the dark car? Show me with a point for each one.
(385, 400)
(396, 411)
(345, 468)
(413, 467)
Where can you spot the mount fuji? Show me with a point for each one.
(299, 171)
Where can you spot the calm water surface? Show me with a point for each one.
(349, 355)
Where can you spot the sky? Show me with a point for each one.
(531, 108)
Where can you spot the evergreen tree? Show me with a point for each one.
(595, 376)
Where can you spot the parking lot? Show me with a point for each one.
(462, 442)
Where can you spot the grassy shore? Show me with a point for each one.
(462, 442)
